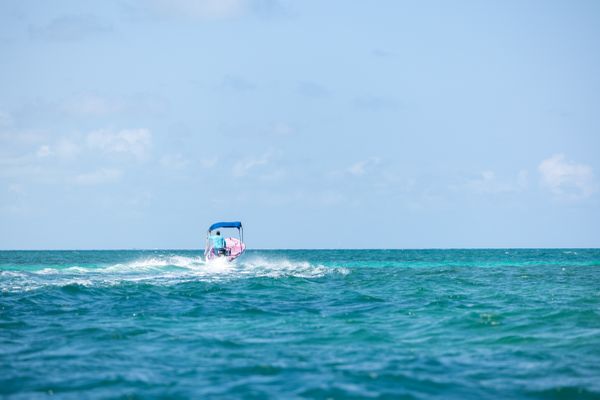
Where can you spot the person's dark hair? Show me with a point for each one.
(218, 233)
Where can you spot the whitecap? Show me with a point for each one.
(47, 271)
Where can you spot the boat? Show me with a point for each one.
(234, 247)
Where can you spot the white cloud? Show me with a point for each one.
(173, 161)
(101, 176)
(567, 179)
(243, 167)
(16, 188)
(362, 167)
(95, 105)
(487, 182)
(65, 148)
(62, 149)
(43, 151)
(202, 9)
(134, 142)
(282, 129)
(43, 160)
(209, 162)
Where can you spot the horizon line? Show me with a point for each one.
(314, 249)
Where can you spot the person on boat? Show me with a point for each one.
(218, 244)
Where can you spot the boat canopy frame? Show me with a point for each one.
(217, 225)
(232, 224)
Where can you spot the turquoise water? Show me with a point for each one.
(422, 324)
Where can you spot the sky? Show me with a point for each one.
(386, 124)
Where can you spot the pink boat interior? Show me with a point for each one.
(234, 247)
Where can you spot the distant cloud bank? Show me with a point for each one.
(135, 142)
(567, 179)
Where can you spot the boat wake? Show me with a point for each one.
(162, 270)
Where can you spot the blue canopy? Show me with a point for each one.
(217, 225)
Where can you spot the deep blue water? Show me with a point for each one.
(423, 324)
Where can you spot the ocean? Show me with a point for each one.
(301, 324)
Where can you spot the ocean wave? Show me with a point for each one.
(163, 270)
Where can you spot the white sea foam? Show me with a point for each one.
(77, 270)
(164, 270)
(9, 274)
(47, 271)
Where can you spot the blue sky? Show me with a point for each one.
(127, 124)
